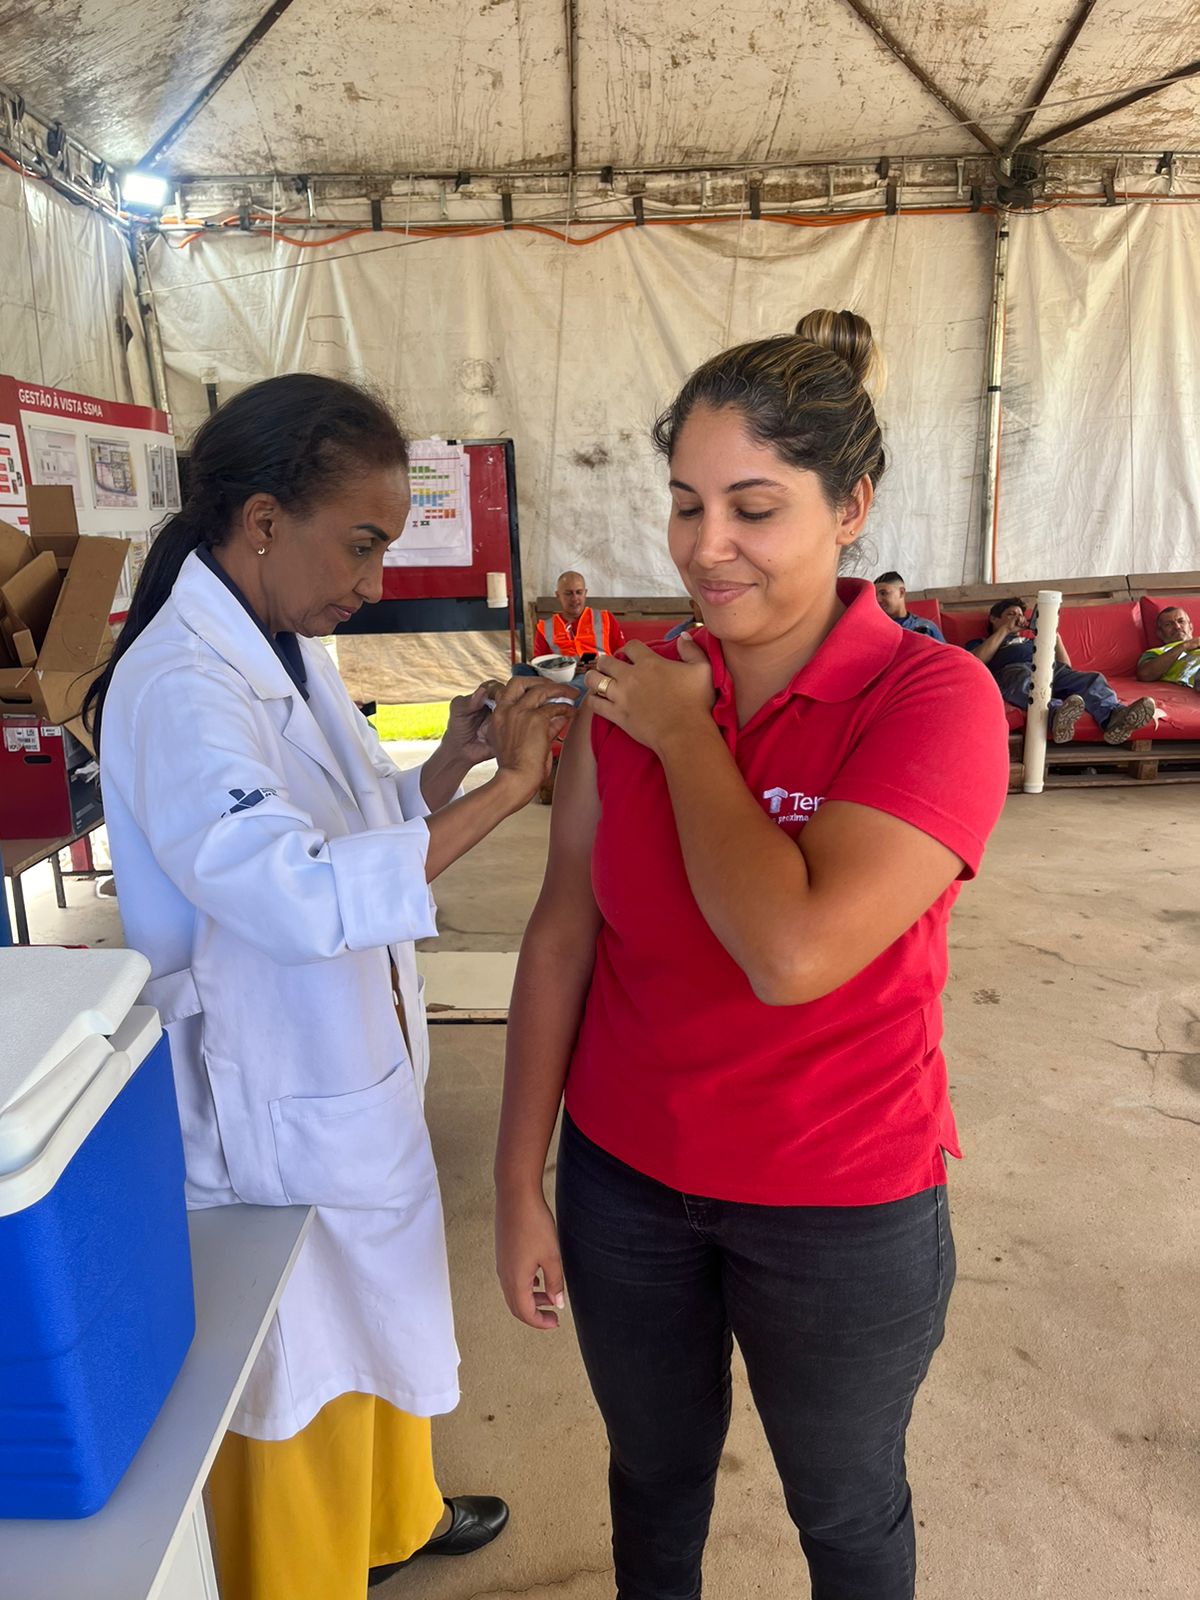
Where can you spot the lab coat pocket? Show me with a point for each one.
(367, 1150)
(244, 1125)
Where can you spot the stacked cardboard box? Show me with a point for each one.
(56, 593)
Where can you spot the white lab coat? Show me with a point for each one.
(270, 861)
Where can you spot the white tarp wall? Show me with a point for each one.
(1100, 465)
(572, 348)
(67, 297)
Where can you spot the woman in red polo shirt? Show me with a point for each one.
(735, 969)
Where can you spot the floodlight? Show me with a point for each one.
(143, 191)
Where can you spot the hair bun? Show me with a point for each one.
(848, 335)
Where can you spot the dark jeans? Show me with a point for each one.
(1016, 686)
(837, 1311)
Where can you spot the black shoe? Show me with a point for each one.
(475, 1520)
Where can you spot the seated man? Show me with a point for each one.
(696, 620)
(892, 597)
(1008, 651)
(578, 629)
(1176, 658)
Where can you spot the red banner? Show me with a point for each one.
(16, 396)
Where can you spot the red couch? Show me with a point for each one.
(649, 629)
(1100, 638)
(1107, 639)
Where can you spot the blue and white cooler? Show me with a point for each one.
(96, 1309)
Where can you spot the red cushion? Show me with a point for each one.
(1180, 707)
(1151, 605)
(1179, 704)
(1105, 639)
(960, 627)
(648, 629)
(929, 609)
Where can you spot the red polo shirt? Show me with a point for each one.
(679, 1070)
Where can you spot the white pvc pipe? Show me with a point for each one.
(1038, 715)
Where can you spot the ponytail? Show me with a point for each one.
(180, 535)
(300, 438)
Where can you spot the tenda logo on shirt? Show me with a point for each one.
(792, 805)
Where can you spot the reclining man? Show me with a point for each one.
(1008, 651)
(893, 599)
(1176, 657)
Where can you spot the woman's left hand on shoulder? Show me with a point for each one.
(470, 714)
(651, 698)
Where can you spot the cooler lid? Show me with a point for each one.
(28, 1123)
(41, 1131)
(52, 1001)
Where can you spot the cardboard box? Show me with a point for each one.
(15, 550)
(29, 598)
(54, 609)
(53, 526)
(49, 781)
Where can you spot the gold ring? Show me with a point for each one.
(603, 687)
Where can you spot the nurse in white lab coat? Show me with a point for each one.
(273, 864)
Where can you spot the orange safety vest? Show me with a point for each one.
(593, 625)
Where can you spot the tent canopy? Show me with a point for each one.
(522, 86)
(877, 126)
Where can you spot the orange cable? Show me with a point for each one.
(483, 230)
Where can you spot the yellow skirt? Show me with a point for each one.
(306, 1518)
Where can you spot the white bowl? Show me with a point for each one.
(559, 669)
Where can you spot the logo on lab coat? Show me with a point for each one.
(245, 801)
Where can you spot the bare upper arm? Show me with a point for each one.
(871, 876)
(567, 887)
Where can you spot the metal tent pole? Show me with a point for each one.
(989, 510)
(154, 349)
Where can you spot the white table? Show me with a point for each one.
(467, 985)
(150, 1542)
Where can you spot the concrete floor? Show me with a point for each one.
(1055, 1449)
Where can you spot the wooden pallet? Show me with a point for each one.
(1140, 761)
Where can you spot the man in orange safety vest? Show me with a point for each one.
(578, 629)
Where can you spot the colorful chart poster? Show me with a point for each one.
(162, 475)
(12, 477)
(113, 479)
(54, 458)
(438, 530)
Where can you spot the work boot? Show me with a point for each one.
(1062, 724)
(1126, 720)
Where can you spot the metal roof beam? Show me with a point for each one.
(886, 37)
(1111, 106)
(223, 73)
(571, 23)
(1053, 67)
